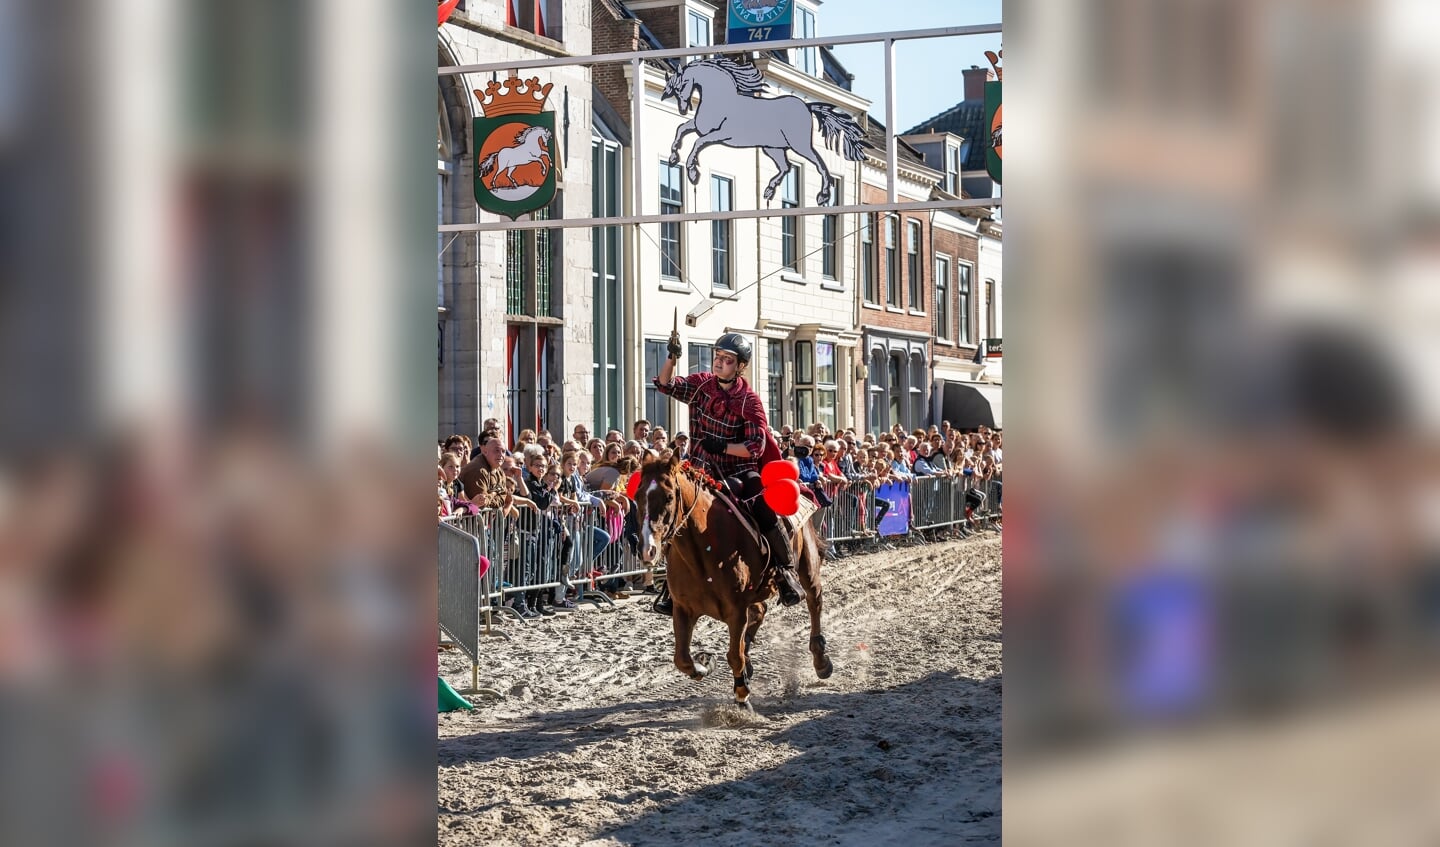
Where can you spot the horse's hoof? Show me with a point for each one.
(744, 706)
(674, 159)
(699, 672)
(824, 670)
(694, 174)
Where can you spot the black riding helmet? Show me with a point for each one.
(734, 342)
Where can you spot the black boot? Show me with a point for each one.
(662, 604)
(782, 558)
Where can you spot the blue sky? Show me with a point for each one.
(927, 72)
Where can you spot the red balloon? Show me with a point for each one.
(783, 496)
(633, 485)
(778, 470)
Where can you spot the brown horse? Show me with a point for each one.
(716, 566)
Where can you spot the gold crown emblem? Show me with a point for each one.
(519, 98)
(994, 58)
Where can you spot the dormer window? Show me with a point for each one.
(953, 156)
(807, 58)
(698, 29)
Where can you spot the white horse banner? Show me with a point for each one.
(734, 113)
(515, 151)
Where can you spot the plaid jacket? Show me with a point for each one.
(736, 416)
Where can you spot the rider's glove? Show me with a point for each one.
(673, 347)
(714, 444)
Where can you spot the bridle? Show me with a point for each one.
(680, 521)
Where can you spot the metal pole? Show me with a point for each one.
(637, 101)
(890, 120)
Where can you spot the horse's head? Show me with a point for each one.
(660, 509)
(680, 86)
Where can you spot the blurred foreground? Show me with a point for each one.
(216, 561)
(1222, 598)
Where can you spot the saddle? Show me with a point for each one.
(792, 523)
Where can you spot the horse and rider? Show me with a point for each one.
(731, 441)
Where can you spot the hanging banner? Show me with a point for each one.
(515, 151)
(993, 151)
(759, 20)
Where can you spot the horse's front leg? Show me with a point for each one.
(684, 130)
(692, 164)
(684, 626)
(736, 656)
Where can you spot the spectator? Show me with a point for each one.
(922, 466)
(658, 440)
(809, 469)
(450, 487)
(635, 449)
(899, 467)
(484, 479)
(581, 434)
(526, 437)
(640, 431)
(829, 465)
(596, 448)
(583, 463)
(614, 437)
(681, 444)
(549, 532)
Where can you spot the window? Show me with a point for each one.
(804, 383)
(829, 252)
(875, 415)
(952, 169)
(702, 358)
(992, 311)
(867, 259)
(942, 298)
(542, 17)
(917, 391)
(672, 262)
(607, 313)
(897, 389)
(657, 405)
(775, 377)
(892, 264)
(807, 58)
(917, 281)
(964, 308)
(528, 261)
(721, 200)
(698, 31)
(790, 226)
(825, 388)
(804, 362)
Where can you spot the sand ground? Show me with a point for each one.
(596, 739)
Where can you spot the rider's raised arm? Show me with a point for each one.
(682, 388)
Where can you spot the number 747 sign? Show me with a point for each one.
(759, 20)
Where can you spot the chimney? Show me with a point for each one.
(975, 79)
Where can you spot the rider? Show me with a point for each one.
(731, 439)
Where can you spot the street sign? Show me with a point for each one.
(753, 21)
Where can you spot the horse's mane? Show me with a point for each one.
(748, 79)
(528, 131)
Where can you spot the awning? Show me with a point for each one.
(968, 405)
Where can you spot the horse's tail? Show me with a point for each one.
(488, 164)
(842, 134)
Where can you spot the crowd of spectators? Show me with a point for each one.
(539, 480)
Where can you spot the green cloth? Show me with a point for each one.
(450, 700)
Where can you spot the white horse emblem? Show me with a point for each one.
(731, 113)
(531, 145)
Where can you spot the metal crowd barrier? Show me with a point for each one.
(543, 550)
(936, 503)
